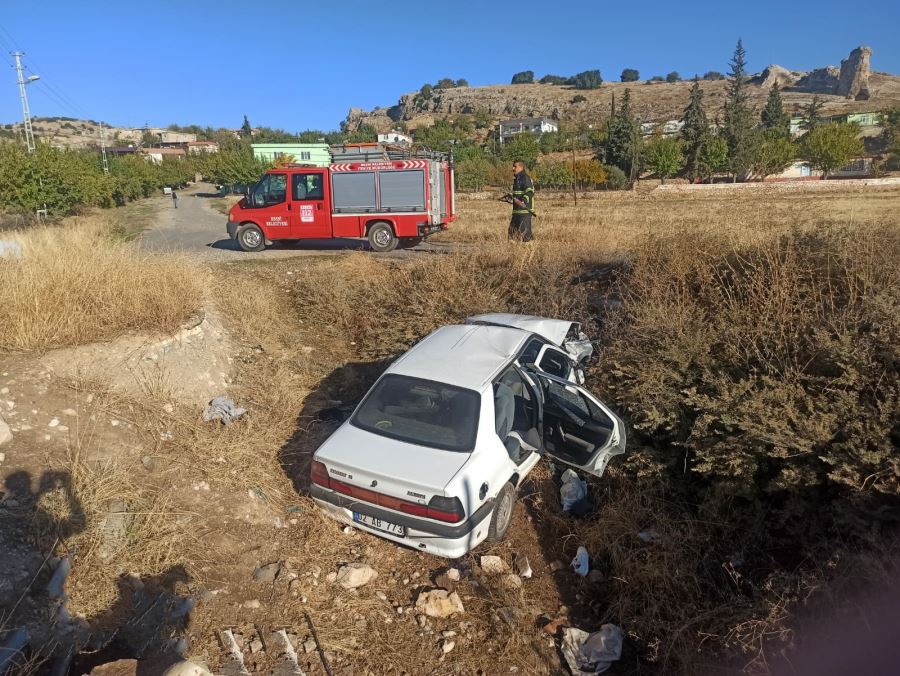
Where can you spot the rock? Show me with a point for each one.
(448, 646)
(522, 566)
(355, 575)
(200, 486)
(853, 81)
(256, 645)
(381, 595)
(331, 577)
(69, 412)
(449, 633)
(187, 668)
(251, 604)
(267, 573)
(775, 75)
(309, 646)
(53, 423)
(148, 463)
(493, 565)
(117, 668)
(422, 620)
(5, 432)
(448, 579)
(439, 603)
(820, 81)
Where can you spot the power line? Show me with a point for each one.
(26, 114)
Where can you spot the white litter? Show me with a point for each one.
(572, 490)
(591, 653)
(581, 563)
(223, 409)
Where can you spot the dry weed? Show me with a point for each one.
(75, 284)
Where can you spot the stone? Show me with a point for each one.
(5, 432)
(449, 633)
(252, 604)
(522, 566)
(422, 620)
(775, 75)
(493, 565)
(187, 668)
(381, 595)
(309, 646)
(331, 577)
(53, 423)
(355, 575)
(448, 579)
(820, 81)
(853, 81)
(255, 645)
(439, 603)
(268, 573)
(148, 463)
(117, 668)
(448, 646)
(71, 412)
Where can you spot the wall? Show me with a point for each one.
(319, 154)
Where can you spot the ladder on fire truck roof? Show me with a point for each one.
(371, 152)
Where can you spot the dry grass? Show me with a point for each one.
(76, 284)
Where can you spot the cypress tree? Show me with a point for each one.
(695, 130)
(738, 119)
(812, 113)
(774, 118)
(623, 137)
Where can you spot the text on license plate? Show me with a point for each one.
(379, 524)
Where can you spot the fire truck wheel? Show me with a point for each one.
(382, 237)
(250, 238)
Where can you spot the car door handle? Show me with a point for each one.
(289, 206)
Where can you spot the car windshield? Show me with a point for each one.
(421, 412)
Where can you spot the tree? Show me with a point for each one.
(462, 82)
(623, 136)
(673, 77)
(664, 156)
(422, 100)
(246, 129)
(695, 131)
(587, 173)
(588, 79)
(812, 114)
(553, 80)
(148, 138)
(831, 146)
(656, 78)
(472, 173)
(774, 153)
(713, 157)
(524, 77)
(713, 75)
(774, 118)
(524, 147)
(630, 75)
(738, 124)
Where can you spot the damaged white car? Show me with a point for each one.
(432, 456)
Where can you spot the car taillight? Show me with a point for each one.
(318, 474)
(446, 509)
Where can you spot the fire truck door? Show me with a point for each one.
(310, 211)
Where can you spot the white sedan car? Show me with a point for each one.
(432, 456)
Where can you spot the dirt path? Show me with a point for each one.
(198, 229)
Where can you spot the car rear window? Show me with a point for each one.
(421, 412)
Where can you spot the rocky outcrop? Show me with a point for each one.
(853, 81)
(819, 81)
(776, 75)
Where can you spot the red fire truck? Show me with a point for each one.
(392, 198)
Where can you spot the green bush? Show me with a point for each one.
(615, 178)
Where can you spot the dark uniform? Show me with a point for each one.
(522, 190)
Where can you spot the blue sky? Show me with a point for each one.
(303, 64)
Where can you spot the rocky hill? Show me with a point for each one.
(852, 87)
(67, 132)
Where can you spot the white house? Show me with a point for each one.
(531, 125)
(197, 147)
(396, 137)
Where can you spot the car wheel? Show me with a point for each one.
(502, 514)
(382, 238)
(250, 238)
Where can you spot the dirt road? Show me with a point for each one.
(195, 227)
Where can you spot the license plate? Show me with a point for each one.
(379, 524)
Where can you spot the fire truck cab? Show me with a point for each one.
(390, 198)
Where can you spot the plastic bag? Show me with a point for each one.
(581, 563)
(572, 490)
(591, 653)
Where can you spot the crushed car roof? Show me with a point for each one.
(554, 330)
(466, 356)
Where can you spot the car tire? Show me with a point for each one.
(501, 517)
(251, 238)
(382, 238)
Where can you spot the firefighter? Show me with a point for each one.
(523, 204)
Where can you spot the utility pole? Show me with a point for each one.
(26, 114)
(103, 151)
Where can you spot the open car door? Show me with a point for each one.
(578, 428)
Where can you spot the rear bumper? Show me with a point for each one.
(447, 540)
(425, 229)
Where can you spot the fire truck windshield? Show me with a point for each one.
(271, 189)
